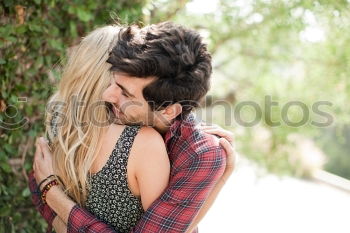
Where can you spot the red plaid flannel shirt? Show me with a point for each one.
(197, 162)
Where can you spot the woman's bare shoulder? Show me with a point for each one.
(149, 144)
(152, 166)
(148, 135)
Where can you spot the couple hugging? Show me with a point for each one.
(127, 154)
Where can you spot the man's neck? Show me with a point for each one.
(163, 126)
(162, 129)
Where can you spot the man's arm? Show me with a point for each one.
(176, 208)
(189, 187)
(78, 219)
(172, 212)
(93, 225)
(230, 165)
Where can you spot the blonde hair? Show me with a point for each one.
(85, 76)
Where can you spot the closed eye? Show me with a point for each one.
(125, 92)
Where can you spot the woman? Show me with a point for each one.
(103, 166)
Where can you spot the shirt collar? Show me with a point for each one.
(180, 127)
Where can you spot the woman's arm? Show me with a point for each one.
(151, 165)
(206, 206)
(230, 165)
(59, 225)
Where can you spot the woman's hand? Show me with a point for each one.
(217, 130)
(227, 142)
(42, 164)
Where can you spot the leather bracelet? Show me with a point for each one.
(47, 187)
(45, 180)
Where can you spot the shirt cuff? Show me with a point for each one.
(75, 220)
(45, 211)
(81, 220)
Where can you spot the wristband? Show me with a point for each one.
(45, 180)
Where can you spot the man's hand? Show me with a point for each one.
(42, 164)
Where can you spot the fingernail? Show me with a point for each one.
(42, 140)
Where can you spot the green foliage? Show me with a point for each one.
(34, 36)
(292, 51)
(335, 143)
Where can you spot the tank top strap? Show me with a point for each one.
(125, 142)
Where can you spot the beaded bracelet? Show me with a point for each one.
(47, 187)
(48, 178)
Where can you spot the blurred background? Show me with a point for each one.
(280, 83)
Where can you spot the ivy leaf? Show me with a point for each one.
(6, 167)
(5, 211)
(55, 44)
(73, 29)
(84, 15)
(25, 192)
(34, 28)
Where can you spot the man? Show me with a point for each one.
(161, 72)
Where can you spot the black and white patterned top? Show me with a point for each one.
(109, 197)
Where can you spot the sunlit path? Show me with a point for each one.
(270, 204)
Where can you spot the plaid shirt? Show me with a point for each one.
(197, 162)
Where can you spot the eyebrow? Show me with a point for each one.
(124, 89)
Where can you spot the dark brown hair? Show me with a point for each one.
(173, 54)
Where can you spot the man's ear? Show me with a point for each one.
(172, 111)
